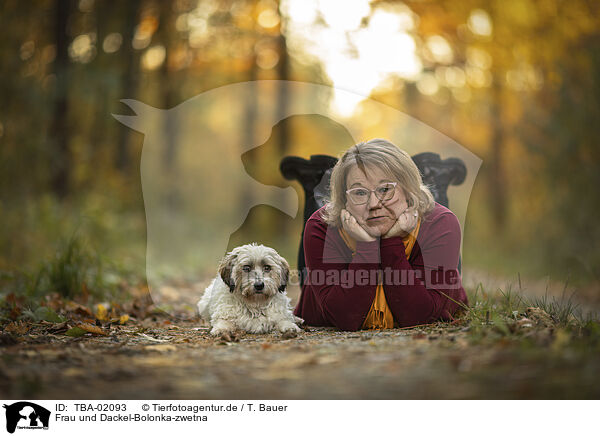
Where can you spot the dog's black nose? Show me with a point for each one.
(259, 286)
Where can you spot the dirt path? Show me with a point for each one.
(162, 357)
(179, 361)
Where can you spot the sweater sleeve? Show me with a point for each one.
(421, 294)
(333, 273)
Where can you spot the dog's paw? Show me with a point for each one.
(289, 331)
(225, 334)
(229, 337)
(289, 334)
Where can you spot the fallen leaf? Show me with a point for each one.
(44, 313)
(18, 327)
(15, 312)
(75, 332)
(540, 316)
(92, 329)
(101, 312)
(79, 309)
(525, 323)
(54, 328)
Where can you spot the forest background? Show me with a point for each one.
(516, 83)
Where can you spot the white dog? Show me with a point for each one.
(249, 294)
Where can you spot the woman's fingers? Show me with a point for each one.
(405, 223)
(411, 217)
(345, 220)
(354, 224)
(348, 218)
(353, 227)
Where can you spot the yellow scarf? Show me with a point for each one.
(380, 316)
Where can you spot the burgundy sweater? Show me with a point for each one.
(340, 287)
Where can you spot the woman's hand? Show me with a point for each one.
(406, 223)
(353, 228)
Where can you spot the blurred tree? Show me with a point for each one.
(570, 159)
(165, 33)
(100, 64)
(283, 73)
(130, 60)
(514, 85)
(497, 180)
(59, 131)
(516, 82)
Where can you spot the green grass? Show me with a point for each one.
(32, 231)
(507, 304)
(530, 322)
(74, 272)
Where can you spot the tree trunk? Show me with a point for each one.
(497, 180)
(59, 129)
(283, 140)
(283, 73)
(100, 125)
(168, 88)
(129, 80)
(248, 134)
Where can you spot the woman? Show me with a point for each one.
(381, 253)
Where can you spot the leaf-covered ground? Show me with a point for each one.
(68, 350)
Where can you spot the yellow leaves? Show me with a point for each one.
(92, 329)
(83, 328)
(101, 312)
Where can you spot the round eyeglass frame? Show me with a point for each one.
(372, 191)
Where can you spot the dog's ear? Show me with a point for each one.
(225, 268)
(285, 274)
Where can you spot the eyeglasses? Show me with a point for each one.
(383, 192)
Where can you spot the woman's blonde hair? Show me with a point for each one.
(382, 154)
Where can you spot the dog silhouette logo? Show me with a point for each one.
(26, 415)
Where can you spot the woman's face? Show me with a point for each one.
(375, 216)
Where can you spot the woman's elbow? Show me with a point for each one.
(340, 317)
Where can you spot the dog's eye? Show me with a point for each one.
(267, 268)
(246, 268)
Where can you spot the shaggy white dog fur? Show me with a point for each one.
(249, 294)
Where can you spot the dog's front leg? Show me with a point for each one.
(288, 329)
(225, 329)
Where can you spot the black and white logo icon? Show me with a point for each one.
(26, 415)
